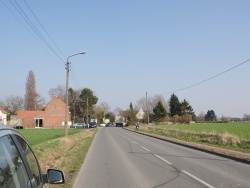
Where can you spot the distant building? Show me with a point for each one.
(52, 115)
(3, 116)
(236, 119)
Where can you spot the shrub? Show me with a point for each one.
(175, 119)
(186, 119)
(229, 139)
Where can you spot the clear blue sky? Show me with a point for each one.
(133, 47)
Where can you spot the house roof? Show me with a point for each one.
(55, 99)
(3, 111)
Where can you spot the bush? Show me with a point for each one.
(229, 139)
(185, 119)
(175, 119)
(18, 127)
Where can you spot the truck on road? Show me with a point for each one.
(120, 121)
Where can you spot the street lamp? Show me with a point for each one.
(67, 93)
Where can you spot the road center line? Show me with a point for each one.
(166, 161)
(144, 148)
(129, 139)
(197, 179)
(135, 142)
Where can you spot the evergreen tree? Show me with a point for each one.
(186, 108)
(159, 112)
(131, 116)
(74, 106)
(87, 100)
(174, 106)
(210, 116)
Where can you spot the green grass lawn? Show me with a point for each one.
(37, 136)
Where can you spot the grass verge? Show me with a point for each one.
(231, 136)
(66, 154)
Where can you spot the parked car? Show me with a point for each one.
(108, 125)
(92, 124)
(19, 166)
(102, 124)
(80, 125)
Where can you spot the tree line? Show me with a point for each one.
(83, 106)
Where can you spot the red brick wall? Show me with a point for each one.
(54, 113)
(28, 117)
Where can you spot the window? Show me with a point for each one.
(32, 161)
(39, 123)
(13, 173)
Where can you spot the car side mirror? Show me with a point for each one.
(54, 176)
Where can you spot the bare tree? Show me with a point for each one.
(160, 98)
(105, 107)
(98, 113)
(225, 118)
(58, 91)
(12, 104)
(200, 117)
(141, 104)
(246, 117)
(32, 98)
(150, 103)
(118, 111)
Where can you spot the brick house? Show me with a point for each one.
(52, 115)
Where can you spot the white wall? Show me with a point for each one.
(3, 118)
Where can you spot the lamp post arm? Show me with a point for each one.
(75, 55)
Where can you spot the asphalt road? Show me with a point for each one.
(119, 158)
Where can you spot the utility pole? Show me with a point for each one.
(67, 94)
(67, 100)
(87, 110)
(147, 105)
(74, 112)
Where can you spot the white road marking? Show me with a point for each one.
(135, 142)
(144, 148)
(197, 179)
(166, 161)
(162, 159)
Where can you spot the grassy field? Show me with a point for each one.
(239, 129)
(54, 150)
(37, 136)
(232, 135)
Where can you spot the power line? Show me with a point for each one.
(33, 27)
(210, 78)
(44, 29)
(23, 24)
